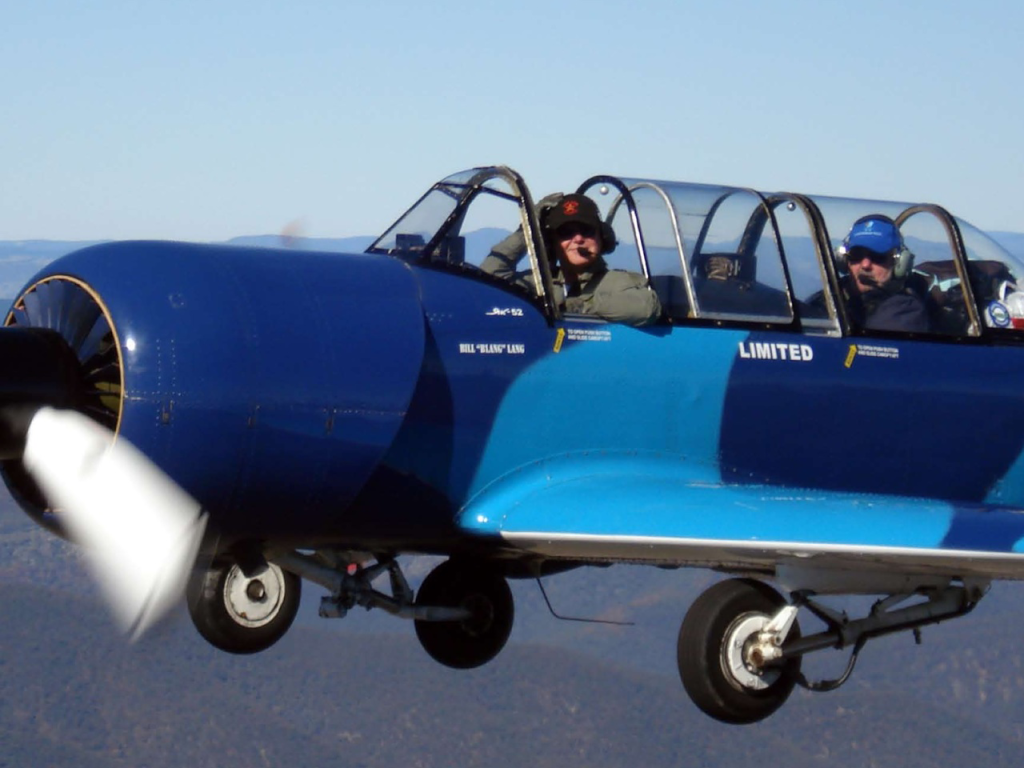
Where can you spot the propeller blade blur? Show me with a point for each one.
(140, 531)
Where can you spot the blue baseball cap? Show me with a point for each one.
(874, 233)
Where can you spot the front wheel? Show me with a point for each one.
(243, 614)
(478, 638)
(714, 665)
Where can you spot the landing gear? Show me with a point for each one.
(740, 647)
(729, 652)
(463, 613)
(244, 614)
(480, 636)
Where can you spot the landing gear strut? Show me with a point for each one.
(463, 612)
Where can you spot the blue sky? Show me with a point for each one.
(203, 121)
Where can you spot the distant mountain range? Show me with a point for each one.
(1011, 241)
(21, 259)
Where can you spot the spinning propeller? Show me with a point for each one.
(140, 531)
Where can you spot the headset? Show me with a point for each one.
(608, 239)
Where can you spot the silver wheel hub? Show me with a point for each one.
(737, 664)
(255, 601)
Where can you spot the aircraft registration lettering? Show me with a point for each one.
(492, 349)
(763, 350)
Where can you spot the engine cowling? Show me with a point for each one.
(267, 383)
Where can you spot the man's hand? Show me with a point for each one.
(547, 204)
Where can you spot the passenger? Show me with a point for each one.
(574, 233)
(875, 289)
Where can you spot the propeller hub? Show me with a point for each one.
(39, 368)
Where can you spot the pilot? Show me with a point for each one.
(875, 289)
(573, 231)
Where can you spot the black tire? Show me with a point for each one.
(703, 653)
(476, 640)
(243, 615)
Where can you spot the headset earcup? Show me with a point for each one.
(904, 262)
(608, 238)
(841, 260)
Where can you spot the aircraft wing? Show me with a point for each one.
(635, 508)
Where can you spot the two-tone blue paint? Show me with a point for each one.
(825, 447)
(470, 414)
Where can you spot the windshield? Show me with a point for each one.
(431, 218)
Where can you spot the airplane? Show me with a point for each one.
(227, 422)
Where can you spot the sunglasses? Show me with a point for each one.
(858, 254)
(570, 230)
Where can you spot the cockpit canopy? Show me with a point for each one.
(723, 255)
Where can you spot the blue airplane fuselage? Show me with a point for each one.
(366, 399)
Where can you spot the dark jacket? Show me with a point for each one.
(892, 307)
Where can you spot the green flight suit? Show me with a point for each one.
(611, 294)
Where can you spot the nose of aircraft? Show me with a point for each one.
(139, 530)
